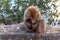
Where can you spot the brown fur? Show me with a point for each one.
(33, 20)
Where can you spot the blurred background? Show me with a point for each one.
(11, 11)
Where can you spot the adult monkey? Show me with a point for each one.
(33, 21)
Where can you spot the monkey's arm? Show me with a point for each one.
(41, 28)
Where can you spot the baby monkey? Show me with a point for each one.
(33, 21)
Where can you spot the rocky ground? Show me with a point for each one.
(18, 32)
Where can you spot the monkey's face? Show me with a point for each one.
(33, 20)
(33, 14)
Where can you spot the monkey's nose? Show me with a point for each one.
(33, 21)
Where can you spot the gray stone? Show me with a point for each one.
(18, 32)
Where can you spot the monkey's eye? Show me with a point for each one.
(28, 20)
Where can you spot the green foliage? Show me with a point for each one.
(0, 18)
(15, 9)
(59, 22)
(50, 21)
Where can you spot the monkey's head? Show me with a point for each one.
(34, 13)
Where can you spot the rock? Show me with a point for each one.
(18, 32)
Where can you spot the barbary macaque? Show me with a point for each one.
(33, 21)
